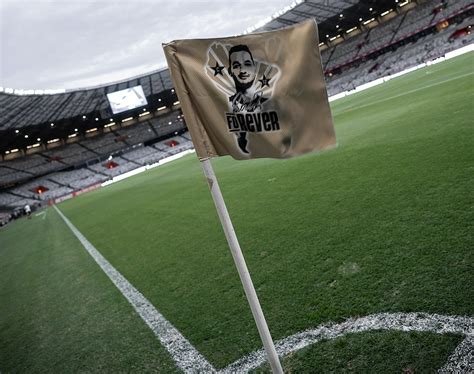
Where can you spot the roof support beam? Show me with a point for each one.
(301, 14)
(285, 21)
(327, 8)
(350, 2)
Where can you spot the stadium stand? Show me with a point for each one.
(388, 48)
(425, 49)
(10, 200)
(174, 145)
(81, 143)
(32, 165)
(41, 189)
(105, 144)
(114, 167)
(78, 179)
(137, 134)
(69, 155)
(9, 176)
(145, 155)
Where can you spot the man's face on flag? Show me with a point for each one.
(242, 67)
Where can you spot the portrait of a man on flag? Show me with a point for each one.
(248, 83)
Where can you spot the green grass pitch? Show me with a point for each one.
(382, 223)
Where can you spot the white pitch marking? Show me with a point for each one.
(384, 321)
(190, 360)
(43, 213)
(462, 359)
(373, 102)
(187, 358)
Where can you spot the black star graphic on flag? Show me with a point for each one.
(264, 81)
(217, 69)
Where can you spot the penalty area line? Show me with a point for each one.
(187, 357)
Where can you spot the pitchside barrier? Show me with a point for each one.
(448, 56)
(74, 194)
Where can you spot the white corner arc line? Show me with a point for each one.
(435, 323)
(462, 359)
(187, 358)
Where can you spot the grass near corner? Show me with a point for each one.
(383, 223)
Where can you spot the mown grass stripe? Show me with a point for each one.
(183, 353)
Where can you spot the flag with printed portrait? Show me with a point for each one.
(256, 95)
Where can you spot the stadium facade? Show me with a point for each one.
(57, 145)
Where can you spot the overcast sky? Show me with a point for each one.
(82, 43)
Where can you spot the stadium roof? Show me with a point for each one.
(332, 16)
(44, 115)
(27, 110)
(52, 116)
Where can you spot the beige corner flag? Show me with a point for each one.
(256, 95)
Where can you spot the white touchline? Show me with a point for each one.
(183, 353)
(374, 102)
(190, 360)
(439, 324)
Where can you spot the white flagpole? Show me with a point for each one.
(241, 266)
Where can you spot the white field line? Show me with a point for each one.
(190, 360)
(434, 84)
(462, 360)
(43, 213)
(435, 323)
(187, 358)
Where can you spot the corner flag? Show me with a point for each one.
(256, 95)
